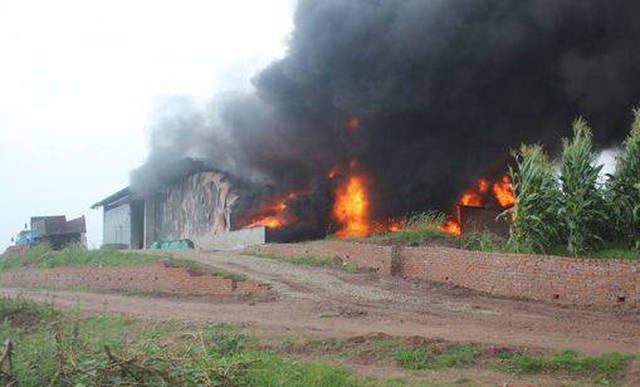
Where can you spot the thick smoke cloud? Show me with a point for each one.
(443, 89)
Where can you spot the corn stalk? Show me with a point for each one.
(623, 189)
(536, 225)
(582, 203)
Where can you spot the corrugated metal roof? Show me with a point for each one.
(122, 194)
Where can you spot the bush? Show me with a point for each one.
(623, 189)
(582, 204)
(536, 225)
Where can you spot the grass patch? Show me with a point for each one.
(609, 366)
(418, 229)
(608, 251)
(567, 365)
(428, 357)
(39, 257)
(71, 349)
(310, 260)
(490, 242)
(24, 314)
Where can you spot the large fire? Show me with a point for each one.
(273, 215)
(501, 192)
(351, 205)
(351, 208)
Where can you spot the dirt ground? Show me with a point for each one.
(325, 302)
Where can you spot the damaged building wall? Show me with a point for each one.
(195, 206)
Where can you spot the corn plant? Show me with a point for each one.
(582, 205)
(623, 189)
(536, 224)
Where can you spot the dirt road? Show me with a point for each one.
(325, 302)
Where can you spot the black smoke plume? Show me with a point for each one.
(442, 90)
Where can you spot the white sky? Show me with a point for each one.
(79, 79)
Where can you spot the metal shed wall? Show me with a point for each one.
(117, 225)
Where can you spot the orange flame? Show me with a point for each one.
(274, 215)
(503, 193)
(268, 222)
(483, 185)
(471, 199)
(280, 206)
(451, 227)
(351, 208)
(395, 227)
(394, 224)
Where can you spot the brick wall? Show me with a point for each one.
(155, 278)
(364, 255)
(547, 278)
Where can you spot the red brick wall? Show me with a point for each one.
(566, 280)
(556, 279)
(364, 255)
(156, 278)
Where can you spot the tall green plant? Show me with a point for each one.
(582, 204)
(623, 189)
(536, 225)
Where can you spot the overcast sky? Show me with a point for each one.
(79, 80)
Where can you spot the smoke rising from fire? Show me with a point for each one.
(426, 95)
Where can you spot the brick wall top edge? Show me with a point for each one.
(145, 266)
(123, 268)
(557, 259)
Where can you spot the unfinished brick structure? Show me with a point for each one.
(152, 278)
(557, 279)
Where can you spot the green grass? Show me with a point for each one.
(418, 229)
(603, 367)
(428, 357)
(608, 251)
(490, 242)
(39, 257)
(616, 253)
(57, 348)
(310, 260)
(70, 349)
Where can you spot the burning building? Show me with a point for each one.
(200, 203)
(191, 207)
(384, 108)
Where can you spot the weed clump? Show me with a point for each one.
(428, 357)
(603, 367)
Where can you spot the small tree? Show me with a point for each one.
(536, 225)
(582, 204)
(623, 194)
